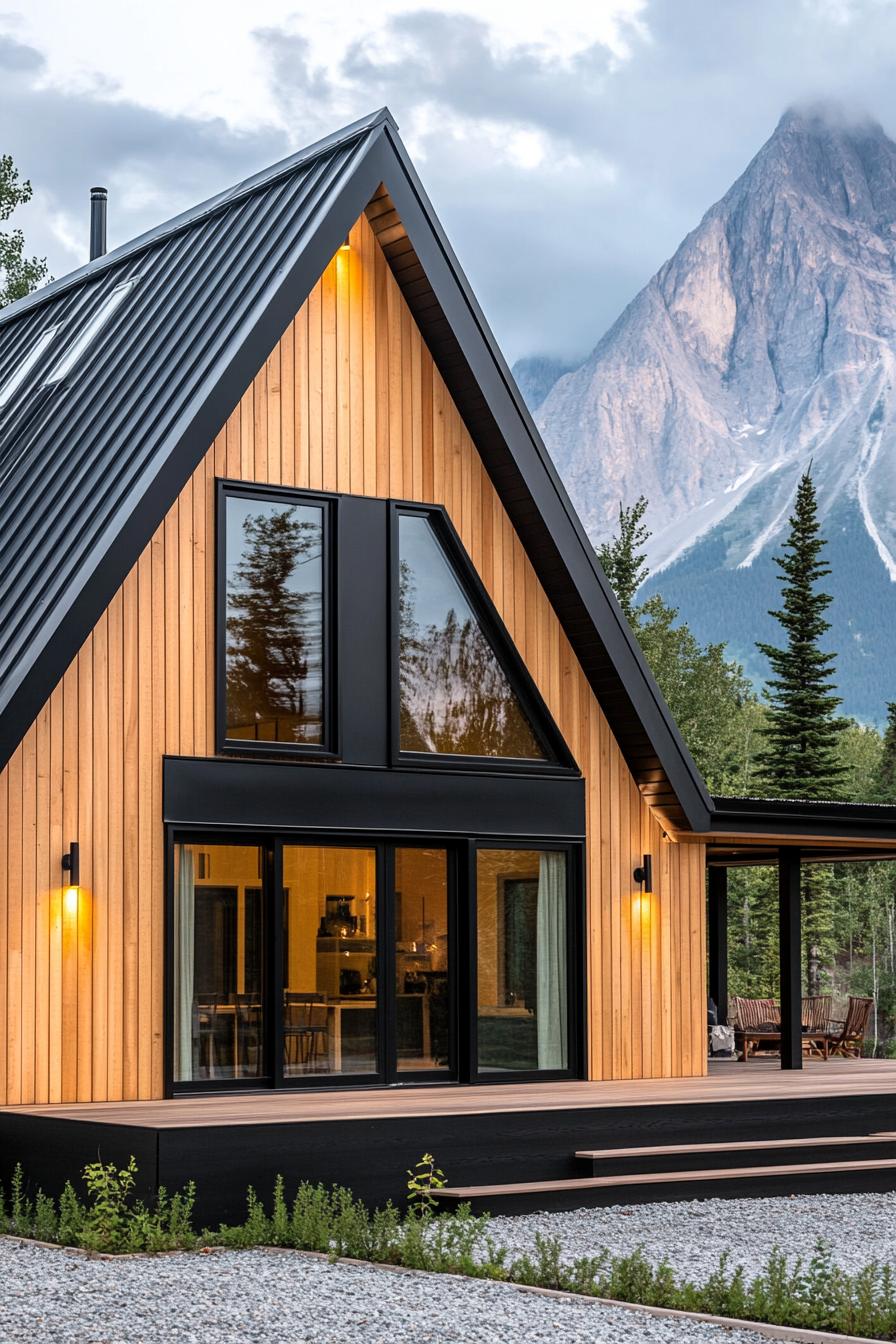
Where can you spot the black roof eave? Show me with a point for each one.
(784, 816)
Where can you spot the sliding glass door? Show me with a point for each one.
(314, 963)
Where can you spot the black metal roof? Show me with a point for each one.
(89, 467)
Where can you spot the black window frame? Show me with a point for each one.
(328, 747)
(558, 760)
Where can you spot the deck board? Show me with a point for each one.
(730, 1082)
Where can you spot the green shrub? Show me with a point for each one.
(813, 1294)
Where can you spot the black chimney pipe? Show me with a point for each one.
(98, 198)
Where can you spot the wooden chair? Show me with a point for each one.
(816, 1019)
(756, 1022)
(306, 1030)
(850, 1038)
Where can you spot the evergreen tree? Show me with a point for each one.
(622, 558)
(799, 758)
(19, 274)
(884, 787)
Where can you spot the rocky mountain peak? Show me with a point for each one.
(767, 339)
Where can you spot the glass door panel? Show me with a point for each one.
(219, 963)
(522, 965)
(423, 998)
(330, 1016)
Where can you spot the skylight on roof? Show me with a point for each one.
(91, 331)
(21, 371)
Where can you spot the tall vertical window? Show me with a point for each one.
(522, 971)
(274, 621)
(455, 695)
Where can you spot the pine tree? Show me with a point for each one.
(884, 790)
(622, 558)
(19, 274)
(800, 756)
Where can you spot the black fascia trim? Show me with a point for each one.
(759, 816)
(135, 522)
(537, 473)
(329, 748)
(558, 758)
(294, 797)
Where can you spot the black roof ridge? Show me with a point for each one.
(197, 213)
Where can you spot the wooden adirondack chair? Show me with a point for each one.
(846, 1038)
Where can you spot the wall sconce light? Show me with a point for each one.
(344, 247)
(71, 864)
(644, 875)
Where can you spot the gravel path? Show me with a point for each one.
(269, 1297)
(692, 1236)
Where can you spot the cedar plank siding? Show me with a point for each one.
(350, 400)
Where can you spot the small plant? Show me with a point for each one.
(425, 1179)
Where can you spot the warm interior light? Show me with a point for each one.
(70, 898)
(344, 247)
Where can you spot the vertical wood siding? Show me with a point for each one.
(348, 401)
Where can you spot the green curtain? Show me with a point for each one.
(551, 958)
(184, 965)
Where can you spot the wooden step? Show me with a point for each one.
(746, 1153)
(654, 1186)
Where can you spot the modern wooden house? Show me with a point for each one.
(332, 777)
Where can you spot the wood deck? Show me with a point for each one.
(728, 1082)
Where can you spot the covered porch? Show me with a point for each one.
(789, 835)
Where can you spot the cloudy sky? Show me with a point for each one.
(568, 146)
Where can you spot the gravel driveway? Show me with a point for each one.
(691, 1236)
(270, 1297)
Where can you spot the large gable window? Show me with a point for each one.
(456, 693)
(273, 635)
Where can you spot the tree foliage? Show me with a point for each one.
(622, 558)
(19, 274)
(800, 758)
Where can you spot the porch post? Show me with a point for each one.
(790, 947)
(718, 940)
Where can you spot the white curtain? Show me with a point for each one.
(552, 1005)
(184, 926)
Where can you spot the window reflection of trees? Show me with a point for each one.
(274, 668)
(455, 697)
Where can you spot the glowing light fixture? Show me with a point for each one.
(644, 875)
(71, 865)
(344, 247)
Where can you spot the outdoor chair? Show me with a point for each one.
(847, 1038)
(816, 1017)
(757, 1022)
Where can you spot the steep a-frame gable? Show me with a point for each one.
(349, 400)
(214, 290)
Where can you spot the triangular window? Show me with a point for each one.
(457, 695)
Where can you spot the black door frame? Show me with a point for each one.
(463, 952)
